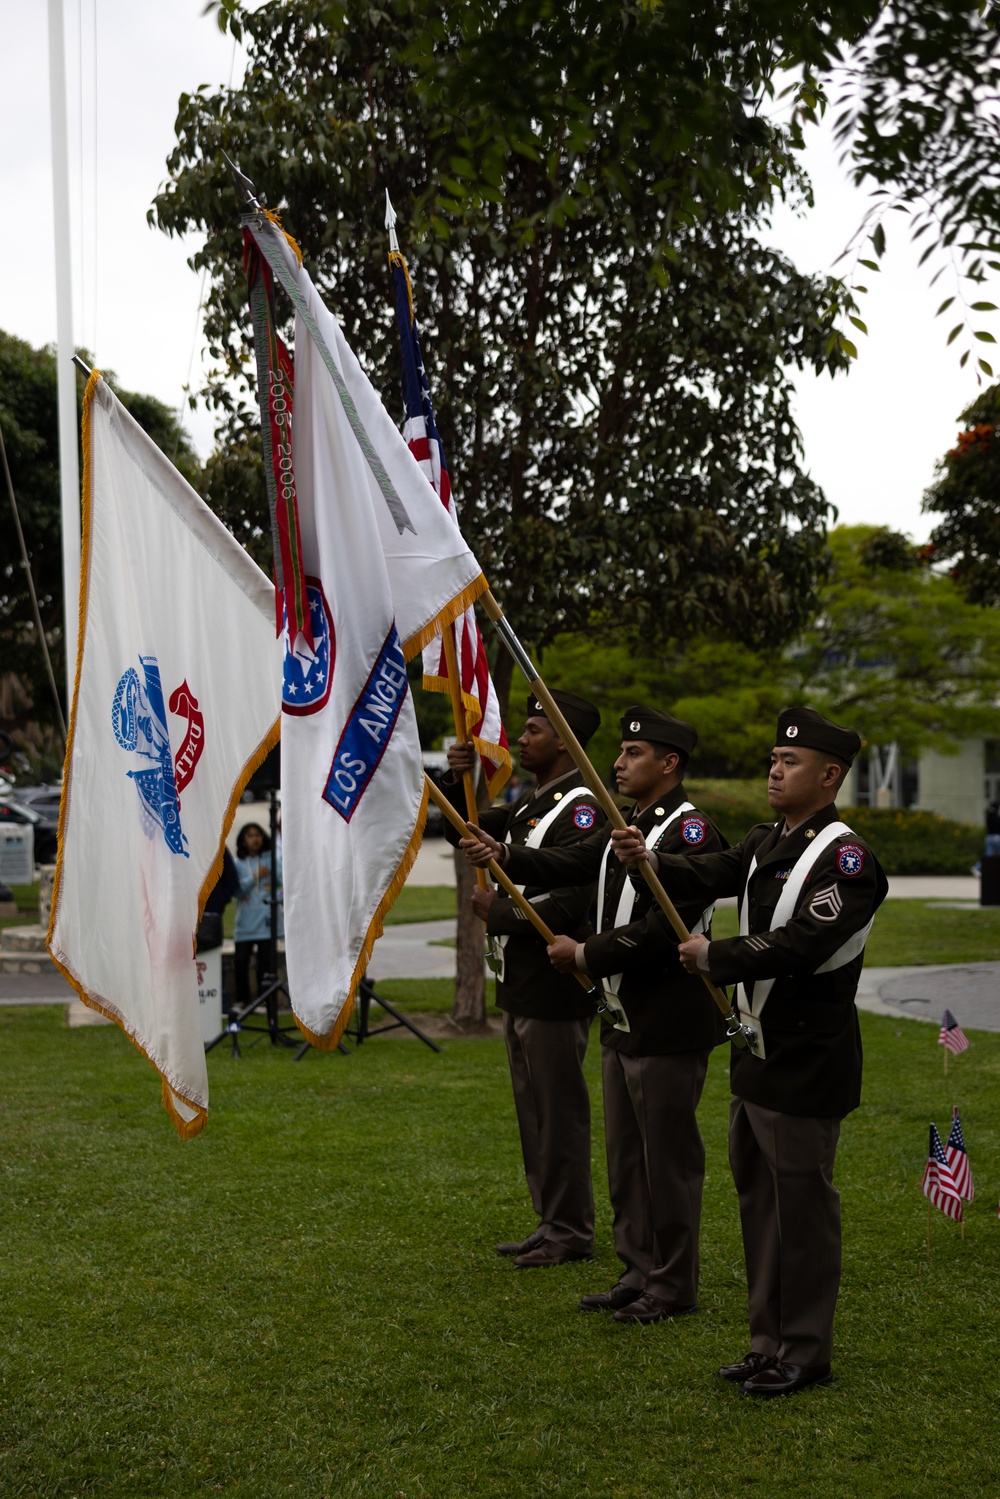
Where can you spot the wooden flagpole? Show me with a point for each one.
(461, 732)
(737, 1032)
(524, 906)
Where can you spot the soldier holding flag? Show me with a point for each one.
(547, 1018)
(655, 1053)
(808, 889)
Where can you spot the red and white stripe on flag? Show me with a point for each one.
(952, 1034)
(939, 1185)
(958, 1158)
(479, 696)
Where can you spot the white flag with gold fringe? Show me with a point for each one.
(386, 567)
(177, 699)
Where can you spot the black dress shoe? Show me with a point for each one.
(546, 1254)
(747, 1367)
(523, 1245)
(649, 1308)
(780, 1378)
(610, 1301)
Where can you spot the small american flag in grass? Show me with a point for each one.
(939, 1184)
(952, 1034)
(958, 1159)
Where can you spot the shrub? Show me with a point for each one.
(905, 842)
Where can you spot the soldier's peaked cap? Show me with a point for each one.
(583, 718)
(659, 728)
(804, 728)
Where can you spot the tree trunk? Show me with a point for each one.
(469, 1011)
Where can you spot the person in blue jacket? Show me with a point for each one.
(253, 907)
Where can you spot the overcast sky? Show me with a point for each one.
(871, 439)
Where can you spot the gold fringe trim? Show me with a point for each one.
(187, 1129)
(395, 258)
(277, 224)
(473, 713)
(257, 759)
(447, 616)
(327, 1043)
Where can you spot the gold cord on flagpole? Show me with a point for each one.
(597, 786)
(461, 732)
(524, 906)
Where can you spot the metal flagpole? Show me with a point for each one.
(739, 1033)
(69, 465)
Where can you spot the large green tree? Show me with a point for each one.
(610, 342)
(966, 495)
(29, 419)
(893, 648)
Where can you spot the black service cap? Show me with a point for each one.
(582, 717)
(804, 728)
(659, 728)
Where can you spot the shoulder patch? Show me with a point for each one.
(693, 829)
(585, 816)
(826, 904)
(851, 859)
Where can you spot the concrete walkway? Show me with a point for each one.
(971, 991)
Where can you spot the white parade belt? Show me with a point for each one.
(750, 1011)
(623, 915)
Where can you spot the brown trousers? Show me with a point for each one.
(790, 1211)
(553, 1115)
(656, 1168)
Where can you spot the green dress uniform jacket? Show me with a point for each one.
(668, 1010)
(531, 986)
(813, 1061)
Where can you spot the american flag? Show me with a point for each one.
(939, 1183)
(952, 1034)
(482, 707)
(958, 1159)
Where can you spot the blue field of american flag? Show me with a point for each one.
(952, 1034)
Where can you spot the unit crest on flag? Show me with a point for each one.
(139, 720)
(308, 669)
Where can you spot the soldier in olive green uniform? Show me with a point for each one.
(808, 889)
(547, 1016)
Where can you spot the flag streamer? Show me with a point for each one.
(275, 387)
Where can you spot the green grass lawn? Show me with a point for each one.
(304, 1301)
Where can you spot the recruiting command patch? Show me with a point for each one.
(693, 829)
(585, 817)
(851, 859)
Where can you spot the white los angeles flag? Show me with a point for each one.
(177, 699)
(386, 567)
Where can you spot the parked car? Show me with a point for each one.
(46, 828)
(44, 799)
